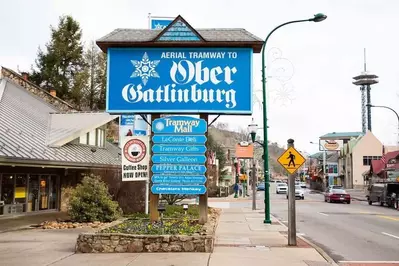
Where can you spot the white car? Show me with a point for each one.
(302, 184)
(281, 188)
(299, 192)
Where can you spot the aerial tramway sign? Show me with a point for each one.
(179, 80)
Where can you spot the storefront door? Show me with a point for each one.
(48, 192)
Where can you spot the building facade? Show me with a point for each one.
(356, 157)
(46, 146)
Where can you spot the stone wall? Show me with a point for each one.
(119, 243)
(36, 90)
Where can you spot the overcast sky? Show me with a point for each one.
(319, 59)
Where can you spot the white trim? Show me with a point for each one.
(2, 87)
(80, 132)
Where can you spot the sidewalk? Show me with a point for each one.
(241, 239)
(20, 222)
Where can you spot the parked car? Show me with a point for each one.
(260, 187)
(299, 192)
(337, 195)
(384, 193)
(302, 184)
(281, 188)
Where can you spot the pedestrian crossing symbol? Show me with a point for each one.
(291, 160)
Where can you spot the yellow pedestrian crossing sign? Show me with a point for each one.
(291, 160)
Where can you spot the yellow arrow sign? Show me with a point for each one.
(291, 160)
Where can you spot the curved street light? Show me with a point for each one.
(317, 18)
(389, 108)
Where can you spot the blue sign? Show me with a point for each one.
(179, 31)
(178, 189)
(189, 149)
(179, 179)
(179, 80)
(179, 139)
(179, 125)
(140, 132)
(173, 159)
(194, 169)
(160, 24)
(127, 120)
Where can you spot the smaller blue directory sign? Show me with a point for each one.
(179, 139)
(178, 159)
(178, 179)
(178, 189)
(179, 155)
(179, 125)
(191, 149)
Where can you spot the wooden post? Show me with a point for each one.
(154, 198)
(203, 199)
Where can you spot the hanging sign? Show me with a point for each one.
(135, 158)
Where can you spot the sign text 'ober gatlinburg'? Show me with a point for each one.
(192, 82)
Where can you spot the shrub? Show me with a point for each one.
(90, 201)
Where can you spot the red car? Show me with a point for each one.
(337, 195)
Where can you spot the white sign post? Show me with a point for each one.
(136, 161)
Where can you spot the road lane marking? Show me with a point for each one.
(323, 214)
(397, 237)
(389, 217)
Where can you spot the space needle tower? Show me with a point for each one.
(365, 80)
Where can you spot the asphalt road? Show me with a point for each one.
(347, 232)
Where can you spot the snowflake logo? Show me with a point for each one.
(159, 26)
(160, 126)
(145, 68)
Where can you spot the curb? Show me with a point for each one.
(22, 228)
(359, 199)
(313, 245)
(320, 251)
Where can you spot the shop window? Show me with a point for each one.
(367, 159)
(7, 189)
(33, 193)
(20, 188)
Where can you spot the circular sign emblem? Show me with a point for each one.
(331, 145)
(134, 150)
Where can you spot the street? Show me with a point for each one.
(355, 232)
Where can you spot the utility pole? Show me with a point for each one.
(291, 205)
(253, 184)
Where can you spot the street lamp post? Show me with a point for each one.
(252, 128)
(324, 157)
(389, 108)
(317, 18)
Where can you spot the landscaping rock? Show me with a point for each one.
(135, 246)
(188, 246)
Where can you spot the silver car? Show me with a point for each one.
(299, 192)
(281, 188)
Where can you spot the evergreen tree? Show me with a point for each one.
(96, 70)
(60, 66)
